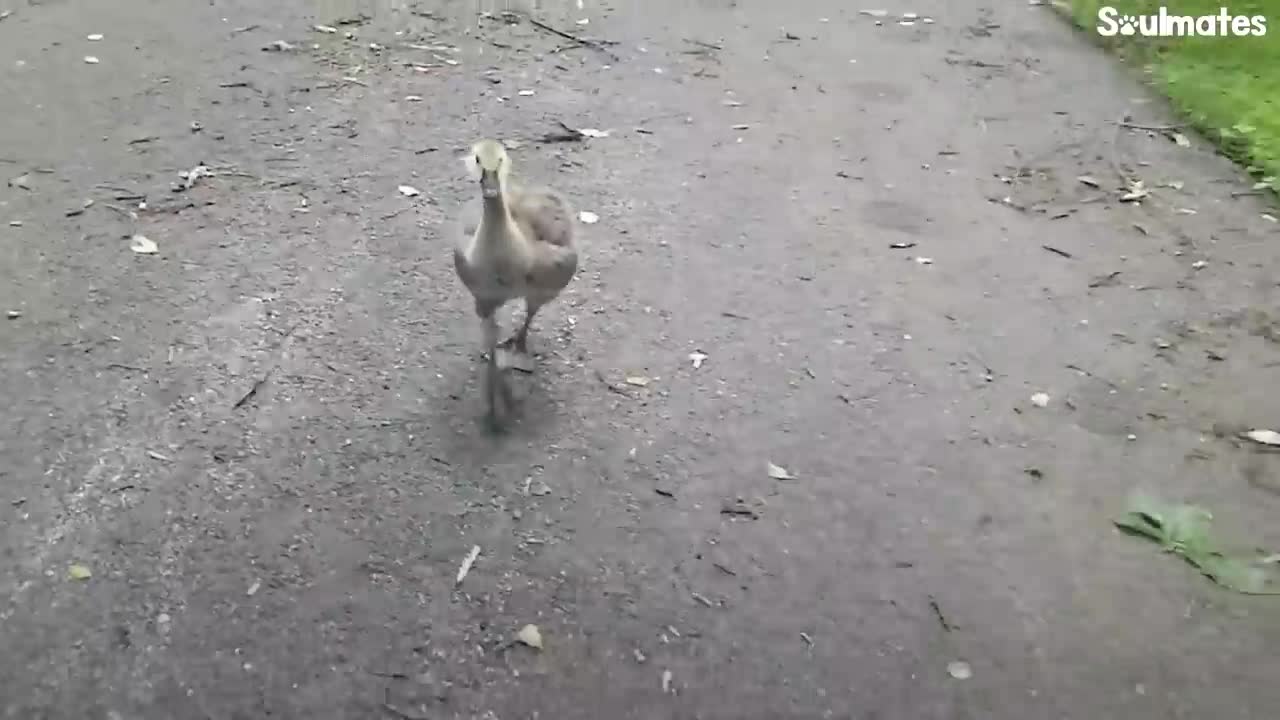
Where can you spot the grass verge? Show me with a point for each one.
(1227, 88)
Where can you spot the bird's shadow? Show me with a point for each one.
(533, 413)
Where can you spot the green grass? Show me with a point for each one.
(1228, 88)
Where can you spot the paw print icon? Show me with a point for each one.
(1128, 25)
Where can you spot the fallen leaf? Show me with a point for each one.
(584, 21)
(91, 60)
(1264, 437)
(467, 562)
(413, 98)
(924, 261)
(189, 177)
(697, 358)
(1090, 181)
(409, 191)
(525, 93)
(143, 245)
(1175, 184)
(740, 126)
(253, 589)
(1181, 140)
(777, 472)
(959, 670)
(327, 29)
(1040, 399)
(875, 13)
(588, 217)
(666, 681)
(1184, 530)
(593, 133)
(1135, 193)
(732, 103)
(79, 572)
(279, 46)
(531, 636)
(94, 37)
(1269, 217)
(22, 182)
(638, 380)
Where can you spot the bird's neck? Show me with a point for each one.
(495, 212)
(498, 232)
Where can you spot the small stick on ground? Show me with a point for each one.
(937, 612)
(596, 45)
(612, 388)
(253, 391)
(569, 135)
(703, 44)
(398, 712)
(1152, 128)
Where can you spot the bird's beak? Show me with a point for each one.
(490, 187)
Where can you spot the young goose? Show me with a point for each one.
(515, 243)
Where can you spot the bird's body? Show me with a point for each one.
(514, 243)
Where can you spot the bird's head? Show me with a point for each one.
(489, 163)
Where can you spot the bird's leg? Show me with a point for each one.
(520, 341)
(494, 383)
(493, 375)
(516, 347)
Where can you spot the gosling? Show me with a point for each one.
(514, 243)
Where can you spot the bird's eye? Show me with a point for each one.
(477, 159)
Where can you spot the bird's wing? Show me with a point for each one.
(543, 214)
(553, 267)
(468, 224)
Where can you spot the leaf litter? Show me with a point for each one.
(1183, 530)
(1135, 191)
(143, 245)
(777, 472)
(467, 562)
(1264, 437)
(531, 636)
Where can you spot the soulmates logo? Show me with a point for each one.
(1162, 24)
